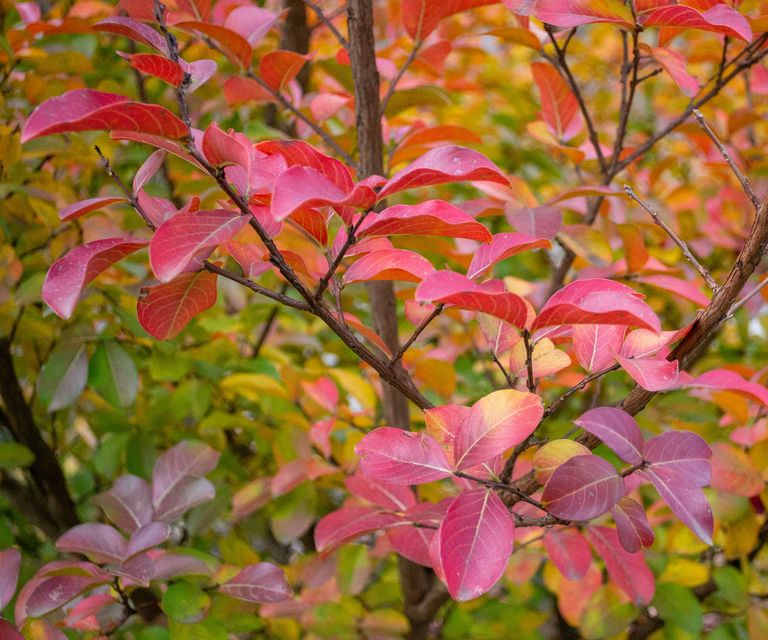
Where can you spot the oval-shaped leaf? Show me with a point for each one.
(632, 525)
(503, 246)
(99, 542)
(682, 451)
(582, 488)
(349, 523)
(389, 264)
(74, 211)
(260, 582)
(617, 429)
(113, 375)
(128, 503)
(10, 561)
(569, 551)
(628, 571)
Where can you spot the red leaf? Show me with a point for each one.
(727, 380)
(617, 429)
(628, 570)
(582, 488)
(156, 141)
(128, 503)
(684, 452)
(720, 18)
(597, 301)
(402, 457)
(233, 45)
(632, 525)
(443, 424)
(148, 169)
(297, 152)
(412, 542)
(674, 65)
(429, 218)
(78, 209)
(165, 309)
(89, 110)
(238, 90)
(389, 264)
(420, 17)
(503, 246)
(158, 66)
(69, 275)
(573, 13)
(225, 148)
(10, 561)
(495, 423)
(260, 582)
(184, 241)
(9, 632)
(569, 551)
(441, 165)
(99, 542)
(455, 289)
(475, 538)
(595, 344)
(134, 30)
(349, 523)
(278, 68)
(560, 110)
(651, 373)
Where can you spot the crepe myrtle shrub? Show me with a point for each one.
(456, 479)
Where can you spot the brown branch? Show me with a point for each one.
(327, 22)
(510, 380)
(531, 381)
(417, 332)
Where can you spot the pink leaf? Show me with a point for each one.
(594, 344)
(617, 429)
(389, 264)
(260, 582)
(412, 542)
(225, 148)
(627, 570)
(455, 289)
(720, 18)
(128, 503)
(148, 169)
(10, 561)
(78, 209)
(683, 288)
(402, 457)
(582, 488)
(171, 565)
(396, 497)
(503, 246)
(632, 525)
(99, 542)
(443, 424)
(171, 146)
(597, 301)
(651, 373)
(349, 523)
(642, 342)
(674, 65)
(89, 110)
(574, 13)
(251, 22)
(684, 452)
(441, 165)
(184, 241)
(69, 275)
(44, 595)
(569, 551)
(134, 30)
(185, 460)
(497, 422)
(476, 538)
(165, 309)
(297, 152)
(150, 535)
(727, 380)
(429, 218)
(537, 222)
(319, 434)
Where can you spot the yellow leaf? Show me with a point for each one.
(684, 572)
(252, 386)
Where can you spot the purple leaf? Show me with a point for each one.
(10, 561)
(475, 539)
(349, 523)
(184, 460)
(628, 570)
(582, 488)
(137, 570)
(260, 582)
(683, 452)
(617, 429)
(149, 536)
(569, 551)
(402, 457)
(128, 503)
(632, 525)
(187, 493)
(99, 542)
(172, 565)
(44, 595)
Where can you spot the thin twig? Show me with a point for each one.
(328, 23)
(417, 332)
(132, 199)
(502, 487)
(531, 381)
(510, 380)
(740, 303)
(728, 159)
(552, 408)
(401, 72)
(348, 244)
(678, 241)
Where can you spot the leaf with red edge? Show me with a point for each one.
(165, 309)
(617, 429)
(582, 488)
(389, 264)
(429, 218)
(232, 44)
(495, 423)
(651, 373)
(674, 64)
(70, 274)
(727, 380)
(632, 525)
(278, 68)
(476, 538)
(260, 582)
(686, 500)
(451, 288)
(10, 561)
(684, 452)
(74, 211)
(184, 241)
(134, 30)
(733, 471)
(720, 18)
(594, 344)
(573, 13)
(443, 424)
(420, 17)
(559, 107)
(569, 551)
(628, 571)
(158, 66)
(597, 301)
(128, 503)
(402, 457)
(442, 165)
(503, 246)
(387, 495)
(90, 110)
(349, 523)
(99, 542)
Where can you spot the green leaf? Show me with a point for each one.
(113, 375)
(186, 603)
(607, 614)
(354, 568)
(62, 379)
(678, 606)
(208, 629)
(731, 586)
(13, 455)
(425, 96)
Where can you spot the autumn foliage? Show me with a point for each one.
(389, 319)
